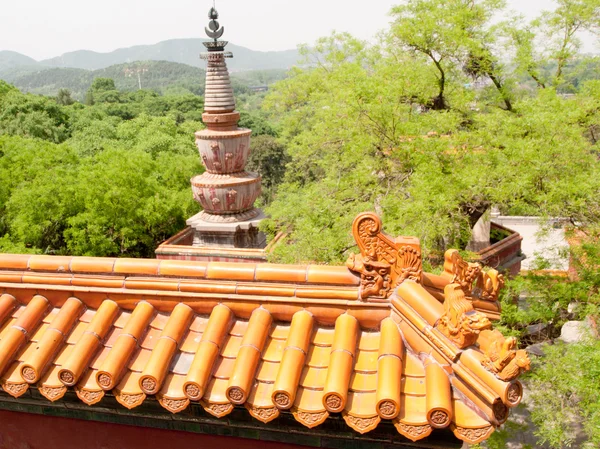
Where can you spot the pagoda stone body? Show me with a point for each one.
(226, 191)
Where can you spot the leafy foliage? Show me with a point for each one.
(361, 135)
(87, 180)
(33, 116)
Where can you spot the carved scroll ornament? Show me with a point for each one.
(383, 262)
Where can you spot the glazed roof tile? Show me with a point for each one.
(269, 337)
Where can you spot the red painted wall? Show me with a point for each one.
(30, 431)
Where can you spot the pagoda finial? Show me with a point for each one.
(214, 29)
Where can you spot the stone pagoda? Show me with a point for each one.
(226, 191)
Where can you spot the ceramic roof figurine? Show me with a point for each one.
(377, 340)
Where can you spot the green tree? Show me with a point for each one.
(64, 97)
(33, 116)
(553, 40)
(360, 136)
(103, 85)
(269, 159)
(452, 35)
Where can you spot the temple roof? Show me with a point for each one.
(271, 338)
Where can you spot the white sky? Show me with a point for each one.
(44, 29)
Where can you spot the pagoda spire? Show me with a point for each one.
(226, 191)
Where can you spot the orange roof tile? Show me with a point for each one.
(269, 337)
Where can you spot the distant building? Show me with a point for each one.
(261, 88)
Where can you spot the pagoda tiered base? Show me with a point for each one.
(226, 233)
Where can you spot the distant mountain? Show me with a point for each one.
(185, 51)
(10, 59)
(162, 76)
(169, 63)
(157, 75)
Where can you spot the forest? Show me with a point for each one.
(450, 112)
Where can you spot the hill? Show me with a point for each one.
(9, 59)
(156, 75)
(161, 76)
(185, 51)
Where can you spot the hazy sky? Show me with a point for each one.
(43, 29)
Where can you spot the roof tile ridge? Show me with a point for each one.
(467, 390)
(459, 395)
(409, 300)
(452, 330)
(448, 350)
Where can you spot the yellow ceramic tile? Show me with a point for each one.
(173, 386)
(267, 371)
(50, 379)
(369, 341)
(413, 366)
(159, 321)
(313, 377)
(13, 373)
(466, 417)
(77, 332)
(414, 386)
(223, 368)
(48, 318)
(99, 358)
(363, 382)
(322, 336)
(309, 400)
(37, 335)
(26, 352)
(191, 342)
(139, 360)
(181, 363)
(150, 339)
(362, 404)
(130, 384)
(413, 410)
(280, 332)
(318, 356)
(231, 346)
(112, 336)
(273, 350)
(17, 311)
(260, 394)
(7, 325)
(239, 328)
(215, 392)
(88, 380)
(366, 361)
(199, 323)
(122, 319)
(62, 355)
(87, 316)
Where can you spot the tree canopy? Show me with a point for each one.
(401, 128)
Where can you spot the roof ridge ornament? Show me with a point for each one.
(383, 262)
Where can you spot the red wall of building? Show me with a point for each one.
(30, 431)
